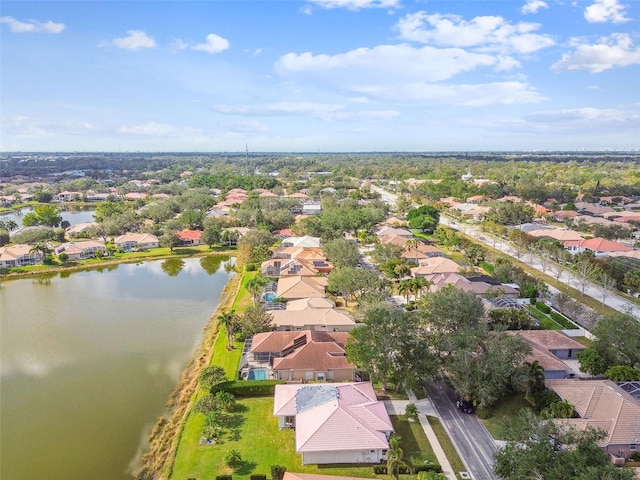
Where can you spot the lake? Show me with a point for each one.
(88, 361)
(73, 216)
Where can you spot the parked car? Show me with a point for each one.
(464, 406)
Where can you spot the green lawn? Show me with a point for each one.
(546, 323)
(447, 446)
(253, 431)
(506, 408)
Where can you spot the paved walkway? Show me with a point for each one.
(397, 407)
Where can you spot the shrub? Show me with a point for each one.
(249, 388)
(251, 267)
(562, 321)
(543, 307)
(636, 457)
(258, 476)
(224, 477)
(380, 469)
(429, 467)
(411, 412)
(277, 472)
(484, 412)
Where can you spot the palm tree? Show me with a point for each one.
(230, 322)
(255, 286)
(412, 244)
(418, 284)
(40, 248)
(405, 288)
(530, 378)
(396, 458)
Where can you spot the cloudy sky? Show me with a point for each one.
(320, 75)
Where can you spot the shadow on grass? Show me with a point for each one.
(245, 468)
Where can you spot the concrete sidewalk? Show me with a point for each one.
(397, 407)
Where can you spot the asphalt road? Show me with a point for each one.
(473, 442)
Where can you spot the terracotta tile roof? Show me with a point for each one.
(435, 265)
(190, 234)
(315, 356)
(328, 317)
(557, 233)
(599, 245)
(301, 287)
(550, 339)
(602, 404)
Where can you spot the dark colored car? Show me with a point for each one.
(464, 406)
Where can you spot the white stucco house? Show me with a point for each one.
(334, 422)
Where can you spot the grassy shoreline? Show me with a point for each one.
(166, 434)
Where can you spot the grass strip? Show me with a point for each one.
(447, 446)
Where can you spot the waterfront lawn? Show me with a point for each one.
(227, 359)
(244, 298)
(255, 434)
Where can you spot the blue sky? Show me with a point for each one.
(320, 75)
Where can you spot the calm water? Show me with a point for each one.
(88, 361)
(74, 217)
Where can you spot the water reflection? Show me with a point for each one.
(173, 266)
(211, 263)
(87, 363)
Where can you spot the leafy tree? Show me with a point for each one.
(342, 252)
(623, 373)
(255, 320)
(424, 210)
(192, 219)
(225, 400)
(47, 215)
(591, 361)
(396, 458)
(4, 237)
(255, 285)
(509, 319)
(475, 253)
(354, 283)
(382, 253)
(510, 213)
(387, 345)
(561, 409)
(529, 378)
(212, 375)
(618, 340)
(211, 235)
(542, 449)
(170, 240)
(426, 223)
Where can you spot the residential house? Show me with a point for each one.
(560, 215)
(80, 229)
(443, 280)
(19, 256)
(297, 287)
(592, 209)
(551, 348)
(67, 196)
(311, 208)
(335, 423)
(435, 265)
(422, 252)
(277, 267)
(599, 246)
(560, 234)
(190, 237)
(604, 405)
(81, 250)
(303, 356)
(385, 231)
(317, 314)
(140, 241)
(304, 241)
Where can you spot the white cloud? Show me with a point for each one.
(486, 33)
(472, 95)
(532, 6)
(20, 125)
(317, 110)
(244, 127)
(588, 117)
(356, 4)
(214, 44)
(153, 129)
(387, 63)
(32, 26)
(134, 40)
(307, 10)
(605, 11)
(617, 50)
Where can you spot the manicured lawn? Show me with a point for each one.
(447, 446)
(413, 440)
(546, 323)
(227, 359)
(244, 298)
(508, 408)
(253, 431)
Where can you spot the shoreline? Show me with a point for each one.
(106, 263)
(157, 462)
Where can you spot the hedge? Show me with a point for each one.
(249, 388)
(224, 477)
(429, 467)
(563, 321)
(543, 307)
(258, 476)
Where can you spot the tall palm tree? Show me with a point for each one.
(396, 458)
(255, 286)
(405, 288)
(419, 284)
(40, 248)
(530, 378)
(412, 244)
(230, 321)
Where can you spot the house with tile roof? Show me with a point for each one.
(81, 250)
(599, 246)
(435, 265)
(190, 237)
(604, 405)
(303, 356)
(18, 256)
(311, 318)
(296, 287)
(560, 234)
(335, 422)
(550, 348)
(284, 267)
(304, 241)
(131, 241)
(444, 280)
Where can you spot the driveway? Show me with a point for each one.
(473, 442)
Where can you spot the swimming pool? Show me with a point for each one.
(270, 297)
(258, 374)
